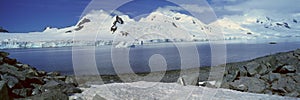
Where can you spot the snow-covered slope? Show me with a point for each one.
(288, 27)
(169, 91)
(158, 26)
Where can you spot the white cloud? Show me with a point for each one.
(117, 12)
(196, 8)
(169, 8)
(270, 5)
(257, 7)
(191, 8)
(204, 13)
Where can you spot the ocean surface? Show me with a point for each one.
(60, 59)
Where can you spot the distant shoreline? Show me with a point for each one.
(100, 43)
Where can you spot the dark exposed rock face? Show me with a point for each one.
(80, 24)
(19, 81)
(277, 74)
(78, 28)
(85, 20)
(3, 30)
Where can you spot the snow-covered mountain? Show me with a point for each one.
(159, 26)
(288, 27)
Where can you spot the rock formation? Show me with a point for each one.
(19, 80)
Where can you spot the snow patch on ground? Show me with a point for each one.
(167, 91)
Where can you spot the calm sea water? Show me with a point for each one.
(60, 59)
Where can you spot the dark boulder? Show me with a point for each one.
(252, 68)
(274, 77)
(297, 51)
(3, 91)
(293, 94)
(12, 81)
(231, 73)
(61, 78)
(9, 61)
(6, 68)
(52, 84)
(285, 86)
(296, 78)
(36, 91)
(53, 74)
(41, 73)
(24, 92)
(3, 54)
(249, 84)
(286, 69)
(238, 86)
(49, 95)
(32, 80)
(271, 77)
(12, 71)
(25, 66)
(61, 86)
(71, 80)
(31, 73)
(242, 71)
(1, 61)
(278, 86)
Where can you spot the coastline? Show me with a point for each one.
(234, 78)
(258, 72)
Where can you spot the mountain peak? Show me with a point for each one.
(3, 30)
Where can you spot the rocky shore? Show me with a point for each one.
(272, 76)
(277, 74)
(21, 81)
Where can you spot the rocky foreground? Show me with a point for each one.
(271, 77)
(21, 81)
(277, 74)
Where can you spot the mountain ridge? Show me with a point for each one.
(158, 26)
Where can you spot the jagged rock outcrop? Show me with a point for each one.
(3, 30)
(80, 24)
(277, 74)
(19, 80)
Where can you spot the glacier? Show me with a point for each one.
(160, 26)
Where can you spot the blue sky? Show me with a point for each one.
(35, 15)
(144, 6)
